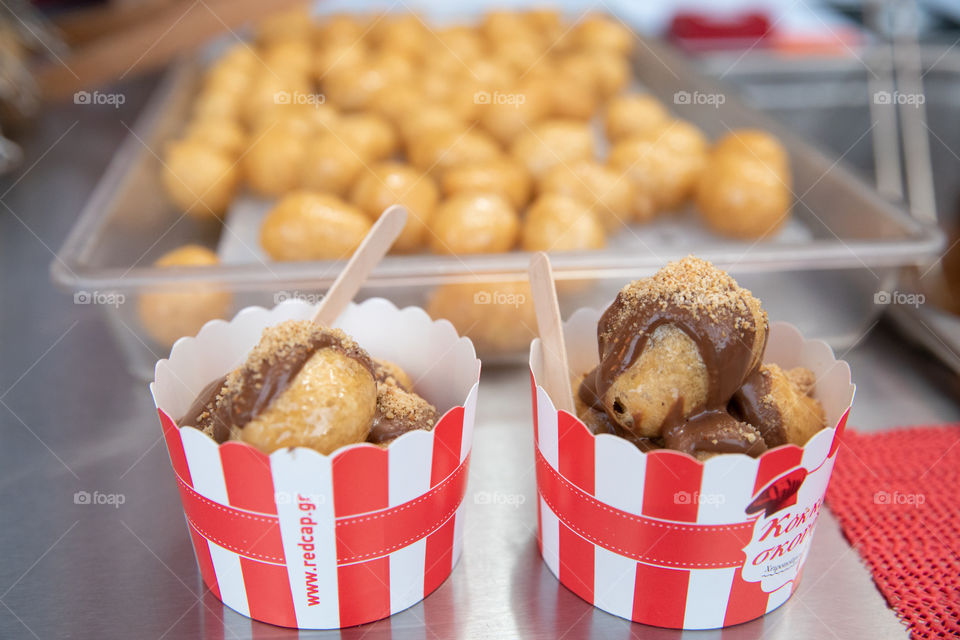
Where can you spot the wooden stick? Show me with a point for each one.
(374, 246)
(556, 368)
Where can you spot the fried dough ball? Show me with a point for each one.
(354, 87)
(557, 222)
(700, 318)
(608, 193)
(218, 103)
(372, 135)
(199, 178)
(400, 35)
(390, 183)
(391, 373)
(428, 121)
(503, 176)
(341, 28)
(612, 71)
(398, 412)
(743, 197)
(312, 226)
(573, 98)
(634, 115)
(780, 404)
(508, 113)
(397, 103)
(474, 223)
(758, 145)
(272, 163)
(330, 402)
(330, 164)
(553, 142)
(167, 314)
(292, 56)
(445, 149)
(666, 165)
(230, 78)
(603, 32)
(497, 316)
(222, 134)
(268, 90)
(337, 57)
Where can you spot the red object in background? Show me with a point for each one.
(701, 32)
(895, 495)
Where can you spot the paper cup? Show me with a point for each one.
(663, 539)
(300, 539)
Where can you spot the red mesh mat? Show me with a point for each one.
(896, 497)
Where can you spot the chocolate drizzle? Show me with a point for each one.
(249, 390)
(714, 431)
(752, 404)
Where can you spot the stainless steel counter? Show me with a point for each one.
(72, 419)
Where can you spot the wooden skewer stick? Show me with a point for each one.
(374, 246)
(550, 325)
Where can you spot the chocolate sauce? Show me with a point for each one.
(259, 383)
(714, 432)
(385, 429)
(748, 405)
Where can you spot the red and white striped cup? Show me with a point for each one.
(663, 539)
(300, 539)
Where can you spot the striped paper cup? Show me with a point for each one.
(300, 539)
(663, 539)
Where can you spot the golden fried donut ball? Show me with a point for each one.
(353, 88)
(330, 164)
(199, 178)
(167, 315)
(474, 223)
(504, 25)
(780, 404)
(544, 20)
(334, 57)
(497, 316)
(286, 25)
(437, 153)
(232, 78)
(634, 115)
(226, 135)
(389, 183)
(608, 193)
(573, 98)
(397, 102)
(341, 395)
(557, 222)
(521, 55)
(756, 144)
(306, 119)
(268, 91)
(292, 57)
(274, 159)
(553, 142)
(238, 56)
(603, 32)
(392, 374)
(370, 134)
(611, 71)
(341, 27)
(400, 35)
(428, 121)
(506, 113)
(665, 165)
(305, 225)
(741, 196)
(504, 176)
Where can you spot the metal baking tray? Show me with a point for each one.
(851, 242)
(794, 90)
